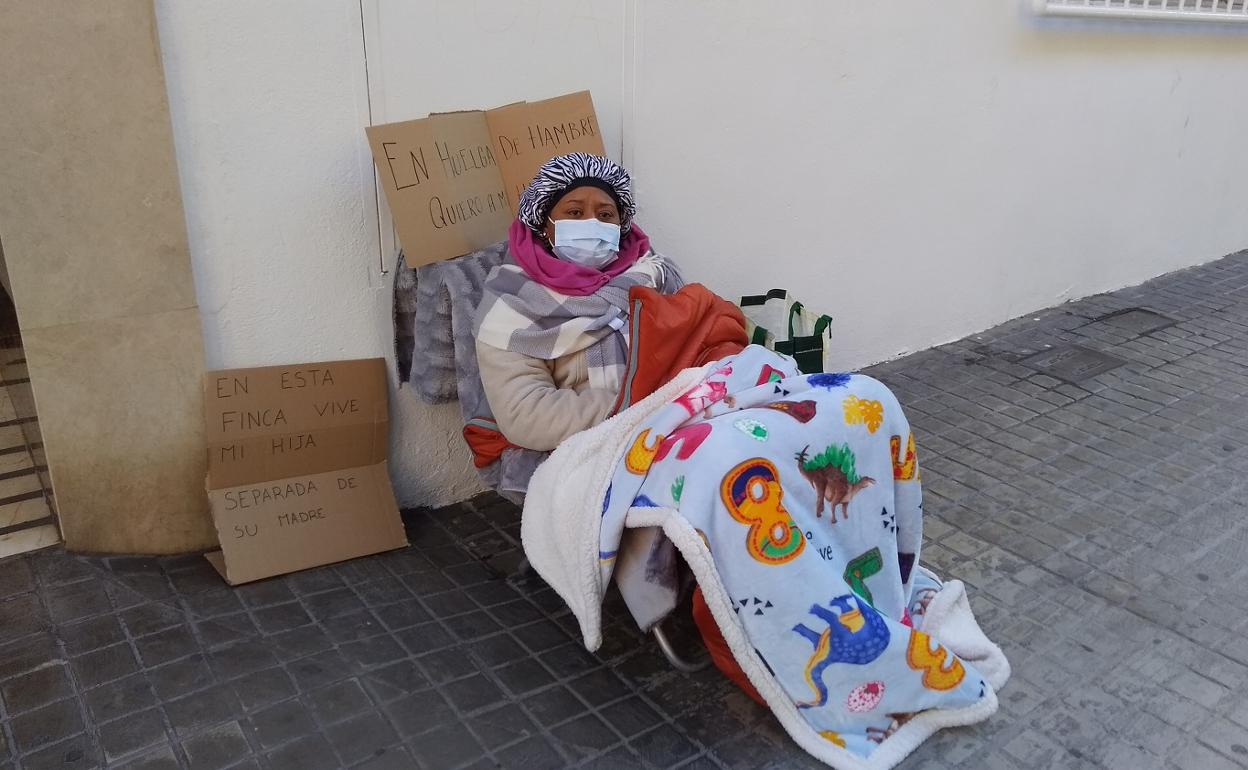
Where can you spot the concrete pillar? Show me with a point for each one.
(95, 242)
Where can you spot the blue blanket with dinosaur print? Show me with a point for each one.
(805, 492)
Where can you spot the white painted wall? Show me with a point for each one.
(922, 171)
(269, 102)
(926, 170)
(445, 55)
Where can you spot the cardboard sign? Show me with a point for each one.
(297, 467)
(453, 180)
(527, 134)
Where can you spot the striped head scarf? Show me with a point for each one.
(557, 174)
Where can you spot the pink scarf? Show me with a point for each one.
(534, 257)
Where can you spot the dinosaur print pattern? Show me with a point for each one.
(855, 634)
(905, 565)
(802, 411)
(904, 468)
(829, 380)
(936, 676)
(689, 438)
(833, 737)
(812, 522)
(863, 411)
(865, 697)
(752, 428)
(752, 493)
(703, 396)
(642, 453)
(879, 735)
(833, 476)
(769, 374)
(861, 568)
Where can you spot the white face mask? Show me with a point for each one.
(587, 242)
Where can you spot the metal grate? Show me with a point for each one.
(1073, 363)
(1136, 320)
(1165, 10)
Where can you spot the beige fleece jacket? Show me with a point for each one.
(537, 403)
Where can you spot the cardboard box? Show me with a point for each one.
(453, 180)
(297, 467)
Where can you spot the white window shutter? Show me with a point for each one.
(1163, 10)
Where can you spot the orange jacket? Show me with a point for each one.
(672, 332)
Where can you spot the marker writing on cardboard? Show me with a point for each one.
(348, 406)
(306, 378)
(292, 443)
(263, 418)
(228, 387)
(443, 214)
(560, 134)
(252, 419)
(465, 159)
(314, 474)
(251, 497)
(547, 136)
(420, 167)
(300, 517)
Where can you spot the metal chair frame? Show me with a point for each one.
(661, 638)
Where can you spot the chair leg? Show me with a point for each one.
(687, 585)
(669, 652)
(660, 636)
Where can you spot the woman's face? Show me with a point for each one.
(582, 203)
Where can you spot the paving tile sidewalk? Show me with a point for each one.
(1101, 527)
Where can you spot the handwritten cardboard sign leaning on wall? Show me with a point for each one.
(453, 180)
(297, 467)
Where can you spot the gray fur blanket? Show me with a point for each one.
(435, 307)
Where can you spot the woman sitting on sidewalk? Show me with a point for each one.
(553, 322)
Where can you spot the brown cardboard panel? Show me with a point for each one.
(475, 203)
(278, 421)
(297, 466)
(453, 180)
(527, 134)
(278, 455)
(442, 183)
(285, 525)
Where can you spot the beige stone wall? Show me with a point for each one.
(95, 244)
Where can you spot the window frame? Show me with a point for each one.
(1155, 10)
